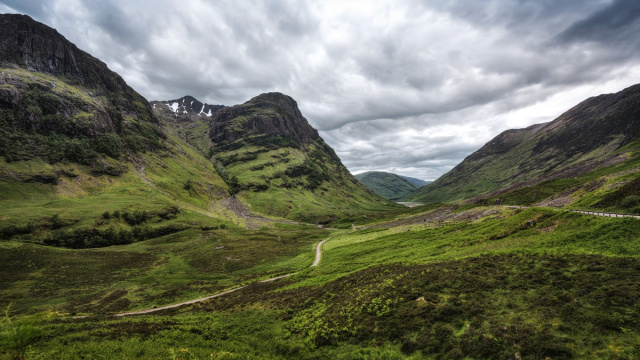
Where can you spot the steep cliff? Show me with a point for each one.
(59, 103)
(279, 164)
(266, 115)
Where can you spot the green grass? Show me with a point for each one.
(176, 267)
(479, 282)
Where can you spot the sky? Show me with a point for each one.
(405, 86)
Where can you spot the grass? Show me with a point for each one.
(478, 282)
(162, 271)
(601, 189)
(536, 282)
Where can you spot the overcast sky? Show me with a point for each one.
(406, 86)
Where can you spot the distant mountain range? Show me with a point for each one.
(390, 186)
(415, 181)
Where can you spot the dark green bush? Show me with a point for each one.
(135, 218)
(84, 238)
(630, 201)
(11, 230)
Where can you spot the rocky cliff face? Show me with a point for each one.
(39, 48)
(581, 139)
(51, 89)
(271, 115)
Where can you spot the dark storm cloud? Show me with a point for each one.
(617, 24)
(411, 86)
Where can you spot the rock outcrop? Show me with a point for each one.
(49, 87)
(270, 114)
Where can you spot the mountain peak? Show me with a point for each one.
(188, 105)
(270, 114)
(50, 88)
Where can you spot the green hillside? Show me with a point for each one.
(389, 186)
(594, 134)
(470, 282)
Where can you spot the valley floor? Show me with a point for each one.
(474, 282)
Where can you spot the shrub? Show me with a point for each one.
(630, 201)
(169, 213)
(234, 185)
(135, 218)
(11, 230)
(84, 238)
(16, 337)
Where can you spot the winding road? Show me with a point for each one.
(147, 311)
(319, 252)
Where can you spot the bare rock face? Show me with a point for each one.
(270, 114)
(37, 47)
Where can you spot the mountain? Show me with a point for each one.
(389, 186)
(272, 158)
(598, 132)
(59, 103)
(189, 118)
(415, 181)
(77, 145)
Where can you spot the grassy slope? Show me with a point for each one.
(576, 142)
(481, 281)
(271, 187)
(145, 273)
(389, 186)
(603, 189)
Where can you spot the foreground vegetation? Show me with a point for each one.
(476, 282)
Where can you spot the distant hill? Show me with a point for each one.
(389, 186)
(597, 133)
(415, 181)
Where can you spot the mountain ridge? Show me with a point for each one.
(272, 159)
(586, 135)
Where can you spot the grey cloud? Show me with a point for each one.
(410, 85)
